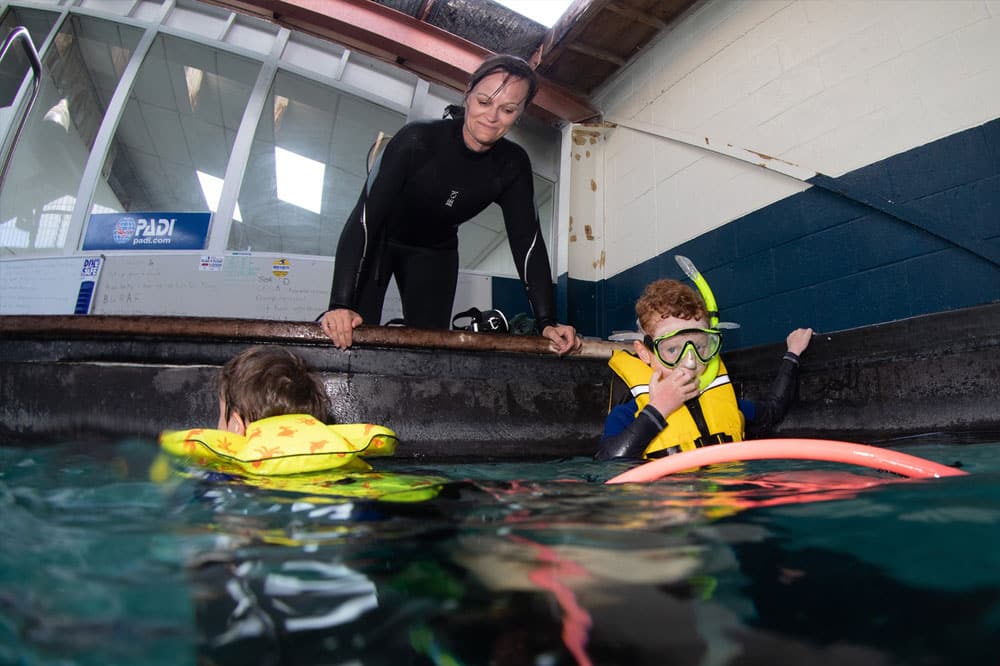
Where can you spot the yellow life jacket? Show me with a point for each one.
(286, 444)
(297, 453)
(721, 419)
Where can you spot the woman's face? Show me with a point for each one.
(491, 108)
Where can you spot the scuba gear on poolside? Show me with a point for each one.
(680, 345)
(485, 321)
(523, 324)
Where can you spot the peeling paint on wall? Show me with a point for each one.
(593, 185)
(600, 262)
(582, 136)
(588, 231)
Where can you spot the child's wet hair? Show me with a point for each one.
(264, 381)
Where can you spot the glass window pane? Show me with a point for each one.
(172, 145)
(15, 67)
(306, 167)
(482, 241)
(79, 74)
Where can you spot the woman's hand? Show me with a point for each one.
(669, 389)
(339, 326)
(563, 338)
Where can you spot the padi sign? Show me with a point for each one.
(147, 231)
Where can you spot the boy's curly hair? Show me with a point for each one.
(668, 298)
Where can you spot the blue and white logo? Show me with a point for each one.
(147, 231)
(124, 230)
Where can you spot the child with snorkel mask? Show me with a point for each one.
(683, 398)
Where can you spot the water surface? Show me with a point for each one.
(508, 563)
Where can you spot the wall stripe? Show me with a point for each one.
(823, 260)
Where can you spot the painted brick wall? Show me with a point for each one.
(896, 98)
(822, 260)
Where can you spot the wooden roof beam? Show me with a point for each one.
(385, 33)
(636, 15)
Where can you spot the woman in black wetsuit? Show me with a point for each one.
(433, 176)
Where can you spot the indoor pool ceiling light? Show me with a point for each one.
(211, 187)
(300, 179)
(193, 78)
(59, 114)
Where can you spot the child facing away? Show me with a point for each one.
(681, 396)
(272, 413)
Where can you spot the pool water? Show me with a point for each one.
(529, 563)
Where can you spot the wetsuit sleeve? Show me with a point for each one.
(768, 411)
(526, 244)
(631, 441)
(366, 223)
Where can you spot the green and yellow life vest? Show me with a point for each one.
(720, 419)
(298, 453)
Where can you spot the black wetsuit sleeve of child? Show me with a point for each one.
(365, 227)
(633, 440)
(770, 410)
(526, 244)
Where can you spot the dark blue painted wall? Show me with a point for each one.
(820, 259)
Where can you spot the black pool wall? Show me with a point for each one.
(503, 397)
(932, 373)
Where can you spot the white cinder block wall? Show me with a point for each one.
(832, 85)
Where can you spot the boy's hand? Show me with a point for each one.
(669, 389)
(798, 340)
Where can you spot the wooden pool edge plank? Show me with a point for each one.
(56, 326)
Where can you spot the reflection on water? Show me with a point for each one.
(542, 564)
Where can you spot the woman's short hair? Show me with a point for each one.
(264, 381)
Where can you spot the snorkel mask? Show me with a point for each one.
(686, 347)
(712, 366)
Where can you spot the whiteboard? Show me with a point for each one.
(47, 286)
(241, 285)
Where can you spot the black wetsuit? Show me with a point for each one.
(425, 184)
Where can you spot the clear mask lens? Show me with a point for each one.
(684, 346)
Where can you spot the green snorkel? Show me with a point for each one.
(712, 368)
